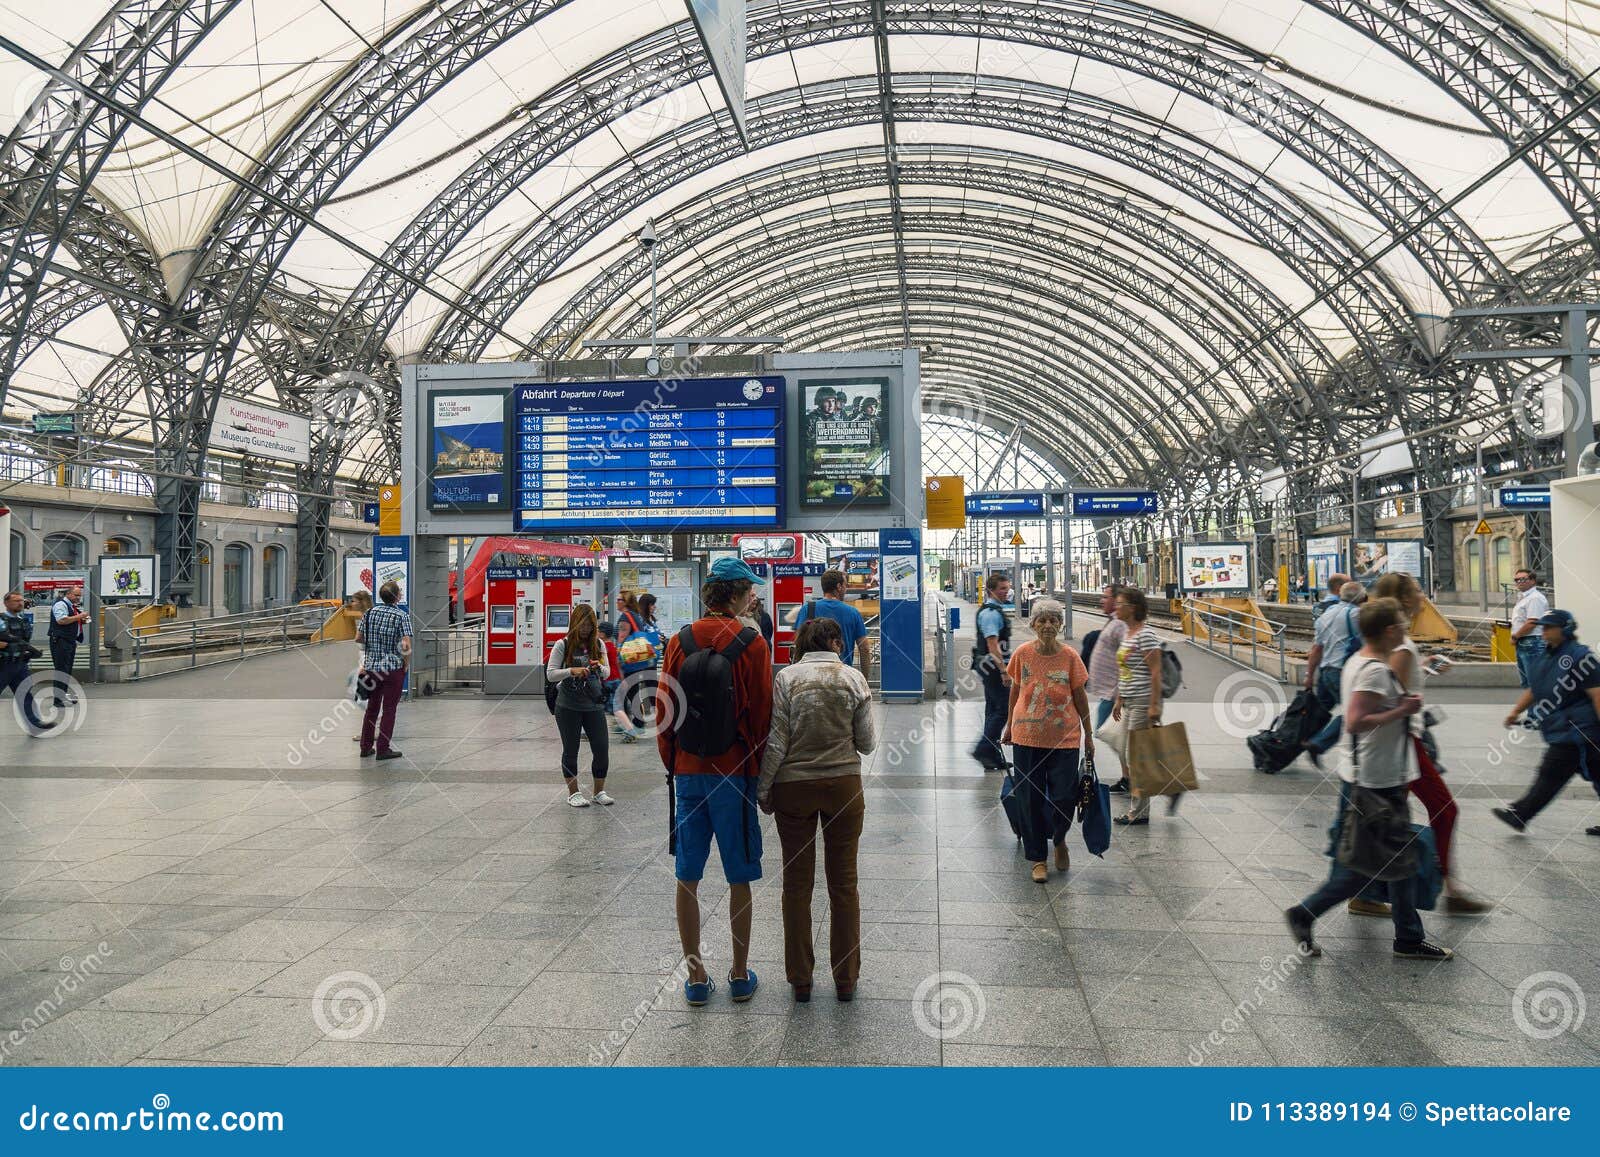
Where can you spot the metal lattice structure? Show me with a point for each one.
(1161, 253)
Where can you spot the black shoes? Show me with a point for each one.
(1594, 831)
(1300, 922)
(1120, 787)
(1511, 819)
(392, 753)
(366, 752)
(1132, 821)
(1423, 950)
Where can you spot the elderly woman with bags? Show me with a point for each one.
(1047, 725)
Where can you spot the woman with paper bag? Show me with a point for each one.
(1138, 707)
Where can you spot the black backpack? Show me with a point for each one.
(1087, 649)
(710, 722)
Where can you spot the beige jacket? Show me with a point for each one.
(822, 722)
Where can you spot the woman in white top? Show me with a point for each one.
(1429, 787)
(822, 724)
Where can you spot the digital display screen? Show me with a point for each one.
(787, 614)
(558, 617)
(649, 455)
(505, 619)
(467, 450)
(844, 443)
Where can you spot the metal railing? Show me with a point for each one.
(457, 657)
(223, 639)
(1233, 625)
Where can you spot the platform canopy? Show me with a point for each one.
(1180, 243)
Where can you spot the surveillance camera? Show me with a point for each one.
(1589, 459)
(647, 235)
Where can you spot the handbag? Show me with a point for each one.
(1114, 734)
(1159, 761)
(1094, 810)
(1377, 839)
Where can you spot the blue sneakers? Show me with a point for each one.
(742, 988)
(698, 995)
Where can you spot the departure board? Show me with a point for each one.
(649, 455)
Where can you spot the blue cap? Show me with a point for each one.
(1562, 619)
(733, 569)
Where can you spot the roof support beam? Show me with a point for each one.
(891, 156)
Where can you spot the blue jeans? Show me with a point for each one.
(1328, 694)
(996, 704)
(1528, 649)
(1342, 884)
(1047, 780)
(1102, 712)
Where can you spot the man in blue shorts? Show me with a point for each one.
(851, 625)
(711, 739)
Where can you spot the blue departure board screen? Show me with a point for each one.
(649, 455)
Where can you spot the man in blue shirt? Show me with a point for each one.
(832, 606)
(990, 653)
(1563, 701)
(1335, 639)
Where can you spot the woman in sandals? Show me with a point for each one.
(1047, 723)
(581, 700)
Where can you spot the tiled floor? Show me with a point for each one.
(203, 871)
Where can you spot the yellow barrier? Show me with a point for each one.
(1202, 626)
(1429, 626)
(339, 627)
(1502, 647)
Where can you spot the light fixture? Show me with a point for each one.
(1589, 460)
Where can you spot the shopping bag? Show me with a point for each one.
(1159, 762)
(1113, 733)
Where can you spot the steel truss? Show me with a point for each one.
(183, 350)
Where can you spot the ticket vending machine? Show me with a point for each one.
(513, 655)
(560, 589)
(792, 586)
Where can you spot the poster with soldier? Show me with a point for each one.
(844, 444)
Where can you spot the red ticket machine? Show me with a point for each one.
(792, 586)
(560, 589)
(513, 656)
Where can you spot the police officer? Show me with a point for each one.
(991, 652)
(16, 649)
(66, 632)
(1563, 702)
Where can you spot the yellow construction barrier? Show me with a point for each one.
(1429, 626)
(148, 618)
(1198, 623)
(338, 627)
(1502, 647)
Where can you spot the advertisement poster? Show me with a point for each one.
(1394, 556)
(844, 443)
(1221, 568)
(467, 451)
(392, 563)
(43, 586)
(128, 576)
(358, 576)
(1324, 558)
(252, 428)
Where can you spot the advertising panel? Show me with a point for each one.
(358, 576)
(1395, 555)
(1324, 558)
(467, 450)
(1215, 568)
(129, 576)
(251, 428)
(844, 443)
